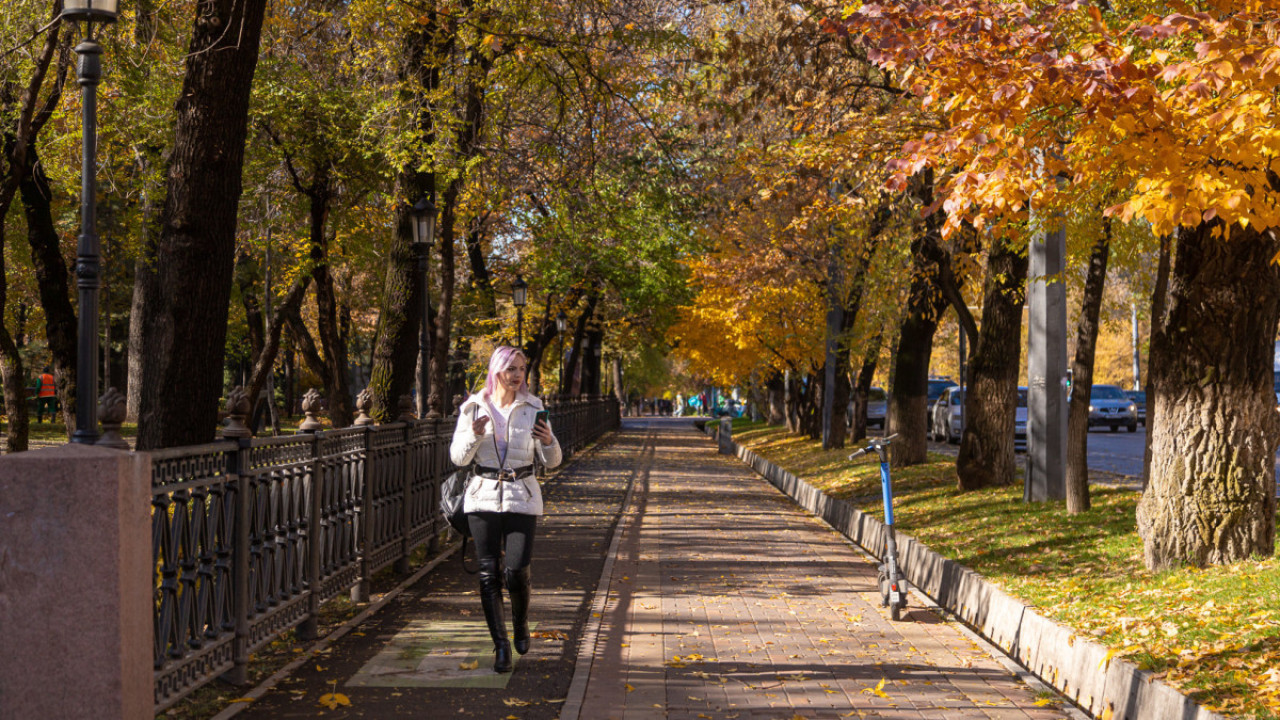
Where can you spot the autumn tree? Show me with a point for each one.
(185, 314)
(1164, 112)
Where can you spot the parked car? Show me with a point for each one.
(947, 415)
(936, 386)
(877, 409)
(1110, 407)
(1139, 398)
(1020, 417)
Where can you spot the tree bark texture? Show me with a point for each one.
(777, 392)
(1159, 303)
(908, 402)
(52, 279)
(986, 447)
(184, 335)
(395, 351)
(1211, 497)
(1082, 375)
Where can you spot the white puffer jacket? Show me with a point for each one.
(522, 496)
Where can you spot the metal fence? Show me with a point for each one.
(250, 536)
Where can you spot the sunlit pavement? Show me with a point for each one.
(725, 600)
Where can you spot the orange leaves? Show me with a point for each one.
(1174, 115)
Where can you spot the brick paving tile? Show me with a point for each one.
(727, 601)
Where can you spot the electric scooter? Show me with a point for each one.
(893, 587)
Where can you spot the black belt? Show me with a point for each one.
(504, 474)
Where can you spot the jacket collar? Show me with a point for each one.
(522, 398)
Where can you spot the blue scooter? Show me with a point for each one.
(893, 587)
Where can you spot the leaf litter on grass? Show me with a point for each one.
(1214, 633)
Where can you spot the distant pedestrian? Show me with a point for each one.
(499, 430)
(46, 397)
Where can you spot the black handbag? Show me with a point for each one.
(452, 496)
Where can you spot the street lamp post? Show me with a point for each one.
(423, 217)
(562, 326)
(520, 296)
(87, 252)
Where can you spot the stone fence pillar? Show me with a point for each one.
(75, 585)
(726, 436)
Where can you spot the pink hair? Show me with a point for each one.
(501, 360)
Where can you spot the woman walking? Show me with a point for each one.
(501, 431)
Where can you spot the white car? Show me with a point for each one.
(877, 409)
(947, 417)
(947, 421)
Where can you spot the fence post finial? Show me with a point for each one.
(237, 411)
(112, 409)
(311, 406)
(364, 403)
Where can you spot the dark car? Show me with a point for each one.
(1139, 398)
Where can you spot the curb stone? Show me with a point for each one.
(1077, 667)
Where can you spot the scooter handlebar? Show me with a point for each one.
(875, 445)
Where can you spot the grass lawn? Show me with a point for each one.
(1212, 633)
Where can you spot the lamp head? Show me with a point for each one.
(519, 292)
(423, 215)
(562, 322)
(99, 11)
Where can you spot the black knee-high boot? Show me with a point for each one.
(491, 601)
(518, 588)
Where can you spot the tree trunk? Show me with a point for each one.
(479, 63)
(811, 415)
(1211, 498)
(266, 358)
(792, 401)
(52, 280)
(395, 351)
(575, 348)
(332, 343)
(908, 399)
(184, 340)
(1082, 375)
(986, 449)
(862, 388)
(1159, 303)
(12, 374)
(777, 392)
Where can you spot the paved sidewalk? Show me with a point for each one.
(715, 598)
(728, 601)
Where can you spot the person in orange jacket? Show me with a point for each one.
(46, 397)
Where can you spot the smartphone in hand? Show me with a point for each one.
(544, 416)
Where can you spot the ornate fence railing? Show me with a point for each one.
(250, 536)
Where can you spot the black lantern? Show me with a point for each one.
(88, 271)
(422, 217)
(520, 297)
